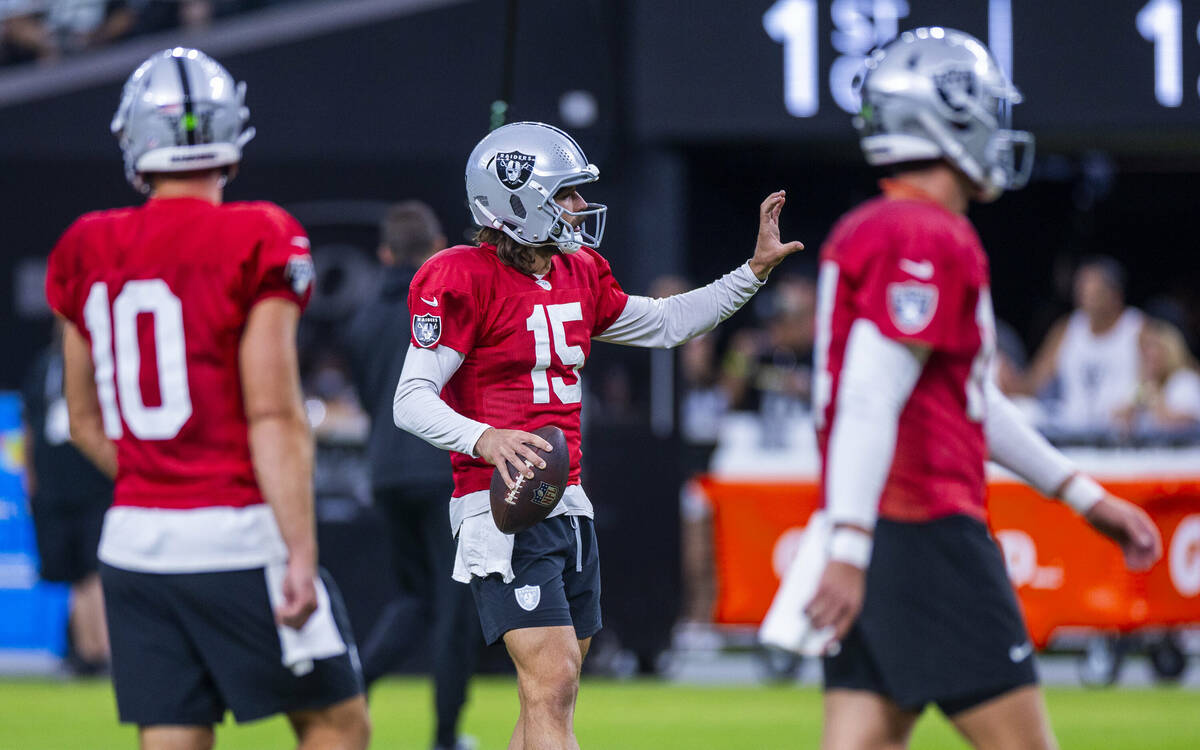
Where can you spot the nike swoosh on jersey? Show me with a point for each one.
(1020, 652)
(431, 302)
(922, 270)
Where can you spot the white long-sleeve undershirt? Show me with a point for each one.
(1014, 444)
(877, 377)
(418, 406)
(671, 321)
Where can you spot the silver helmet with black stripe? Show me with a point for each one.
(180, 111)
(935, 93)
(512, 177)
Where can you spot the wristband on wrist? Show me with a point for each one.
(852, 546)
(1081, 492)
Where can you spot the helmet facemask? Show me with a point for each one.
(571, 230)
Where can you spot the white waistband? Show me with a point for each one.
(199, 540)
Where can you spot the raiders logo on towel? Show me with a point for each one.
(514, 168)
(911, 305)
(427, 329)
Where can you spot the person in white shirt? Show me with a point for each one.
(1091, 354)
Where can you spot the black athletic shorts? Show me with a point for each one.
(940, 622)
(188, 646)
(67, 537)
(557, 582)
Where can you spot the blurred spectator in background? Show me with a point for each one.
(45, 30)
(79, 25)
(68, 498)
(704, 401)
(156, 15)
(770, 371)
(1167, 397)
(411, 483)
(1011, 359)
(1090, 357)
(703, 405)
(23, 34)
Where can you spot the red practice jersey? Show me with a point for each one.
(162, 293)
(524, 340)
(919, 273)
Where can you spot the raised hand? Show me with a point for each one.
(769, 251)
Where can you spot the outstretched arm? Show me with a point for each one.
(672, 321)
(1016, 446)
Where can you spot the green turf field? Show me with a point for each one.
(42, 715)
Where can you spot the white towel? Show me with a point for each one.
(483, 549)
(318, 639)
(786, 626)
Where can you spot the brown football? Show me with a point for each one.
(532, 500)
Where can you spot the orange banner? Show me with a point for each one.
(1064, 573)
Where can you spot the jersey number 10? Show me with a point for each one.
(119, 332)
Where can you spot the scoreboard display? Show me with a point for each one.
(784, 69)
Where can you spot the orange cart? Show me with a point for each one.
(1065, 575)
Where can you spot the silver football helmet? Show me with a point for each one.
(513, 175)
(935, 93)
(180, 112)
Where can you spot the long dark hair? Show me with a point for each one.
(512, 253)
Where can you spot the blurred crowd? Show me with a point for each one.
(48, 30)
(1106, 373)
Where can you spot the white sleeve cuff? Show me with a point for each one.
(673, 320)
(1082, 492)
(877, 377)
(1014, 444)
(418, 406)
(851, 546)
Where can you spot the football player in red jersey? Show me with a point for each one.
(915, 588)
(500, 332)
(182, 383)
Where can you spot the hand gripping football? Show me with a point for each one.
(531, 500)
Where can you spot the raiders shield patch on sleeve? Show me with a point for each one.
(299, 273)
(427, 329)
(911, 305)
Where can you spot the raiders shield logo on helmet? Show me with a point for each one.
(957, 87)
(427, 329)
(514, 168)
(911, 305)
